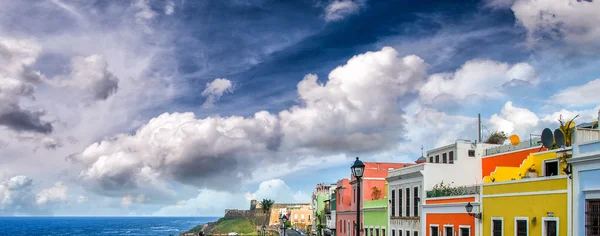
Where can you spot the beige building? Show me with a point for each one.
(299, 215)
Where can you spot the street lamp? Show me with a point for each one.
(469, 209)
(358, 169)
(283, 221)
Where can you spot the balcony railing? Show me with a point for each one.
(448, 191)
(534, 142)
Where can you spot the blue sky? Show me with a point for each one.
(179, 107)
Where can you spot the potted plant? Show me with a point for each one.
(531, 172)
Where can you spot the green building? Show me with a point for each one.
(320, 199)
(375, 217)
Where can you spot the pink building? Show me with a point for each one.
(346, 202)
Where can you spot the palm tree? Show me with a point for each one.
(267, 204)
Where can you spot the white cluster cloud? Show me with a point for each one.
(15, 193)
(126, 201)
(574, 21)
(356, 110)
(212, 203)
(169, 8)
(91, 74)
(340, 9)
(476, 79)
(215, 89)
(56, 193)
(583, 95)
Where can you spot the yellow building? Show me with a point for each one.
(532, 199)
(299, 215)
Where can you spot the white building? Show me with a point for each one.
(458, 164)
(586, 187)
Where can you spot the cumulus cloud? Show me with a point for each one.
(340, 9)
(215, 89)
(356, 110)
(212, 203)
(499, 4)
(522, 121)
(56, 193)
(18, 80)
(582, 95)
(16, 195)
(574, 21)
(91, 74)
(82, 199)
(476, 79)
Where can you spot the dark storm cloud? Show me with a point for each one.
(17, 119)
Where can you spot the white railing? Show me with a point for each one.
(584, 135)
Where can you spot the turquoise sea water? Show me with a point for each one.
(94, 226)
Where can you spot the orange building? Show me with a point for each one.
(508, 159)
(346, 201)
(447, 216)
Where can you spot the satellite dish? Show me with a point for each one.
(547, 138)
(559, 137)
(514, 140)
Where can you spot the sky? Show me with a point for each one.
(186, 108)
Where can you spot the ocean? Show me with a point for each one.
(96, 226)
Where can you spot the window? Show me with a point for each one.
(393, 202)
(592, 217)
(393, 232)
(407, 201)
(521, 226)
(434, 231)
(437, 158)
(376, 232)
(372, 232)
(465, 231)
(416, 205)
(407, 233)
(551, 168)
(451, 157)
(383, 232)
(400, 201)
(449, 231)
(471, 153)
(416, 233)
(497, 227)
(444, 158)
(550, 227)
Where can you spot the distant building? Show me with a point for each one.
(320, 198)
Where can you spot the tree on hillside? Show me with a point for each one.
(267, 204)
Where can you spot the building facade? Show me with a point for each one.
(375, 217)
(373, 187)
(531, 199)
(457, 164)
(320, 200)
(447, 215)
(586, 182)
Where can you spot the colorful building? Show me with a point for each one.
(456, 165)
(330, 213)
(375, 217)
(320, 198)
(447, 215)
(529, 199)
(373, 187)
(586, 182)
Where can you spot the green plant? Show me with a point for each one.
(375, 193)
(267, 204)
(493, 179)
(496, 137)
(442, 190)
(568, 128)
(531, 169)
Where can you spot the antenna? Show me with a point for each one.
(422, 150)
(514, 139)
(479, 126)
(547, 138)
(559, 138)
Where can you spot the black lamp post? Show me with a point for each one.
(358, 169)
(283, 221)
(469, 209)
(264, 229)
